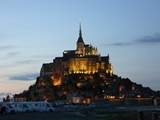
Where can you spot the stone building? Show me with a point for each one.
(82, 76)
(83, 60)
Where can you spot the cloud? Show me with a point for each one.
(151, 40)
(9, 54)
(12, 54)
(120, 44)
(8, 51)
(26, 61)
(25, 77)
(21, 63)
(7, 47)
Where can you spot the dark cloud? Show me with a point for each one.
(149, 39)
(154, 39)
(25, 77)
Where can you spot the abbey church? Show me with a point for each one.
(85, 59)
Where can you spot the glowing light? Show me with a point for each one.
(86, 101)
(138, 96)
(56, 82)
(56, 78)
(78, 84)
(76, 99)
(109, 97)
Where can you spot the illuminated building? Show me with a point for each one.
(81, 76)
(83, 60)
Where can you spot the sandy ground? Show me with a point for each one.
(79, 115)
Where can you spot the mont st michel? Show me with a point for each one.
(83, 76)
(82, 84)
(52, 67)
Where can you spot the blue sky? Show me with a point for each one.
(33, 32)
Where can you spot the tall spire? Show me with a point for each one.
(80, 39)
(80, 31)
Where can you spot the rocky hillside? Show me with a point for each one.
(95, 86)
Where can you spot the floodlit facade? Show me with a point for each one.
(85, 59)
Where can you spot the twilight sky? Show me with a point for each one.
(33, 32)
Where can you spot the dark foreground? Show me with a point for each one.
(81, 115)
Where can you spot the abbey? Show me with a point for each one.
(82, 76)
(85, 59)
